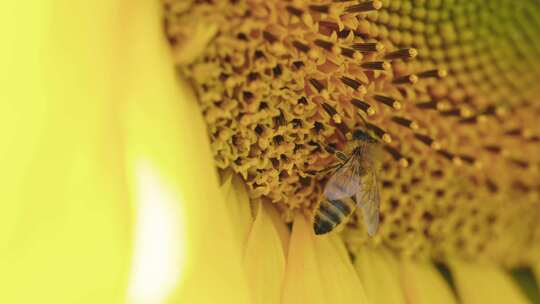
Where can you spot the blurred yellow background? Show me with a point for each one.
(97, 157)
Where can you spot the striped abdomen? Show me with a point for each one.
(331, 213)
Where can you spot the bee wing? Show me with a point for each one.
(369, 198)
(345, 182)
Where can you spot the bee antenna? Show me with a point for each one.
(363, 120)
(364, 135)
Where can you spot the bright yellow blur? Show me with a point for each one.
(107, 183)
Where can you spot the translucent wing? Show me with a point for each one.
(368, 197)
(345, 182)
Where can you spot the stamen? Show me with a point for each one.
(329, 109)
(473, 119)
(332, 26)
(402, 54)
(534, 138)
(280, 120)
(409, 79)
(271, 38)
(343, 128)
(520, 163)
(329, 46)
(380, 133)
(492, 110)
(519, 185)
(317, 85)
(332, 112)
(347, 52)
(513, 132)
(298, 65)
(376, 65)
(427, 105)
(369, 110)
(452, 112)
(368, 47)
(350, 82)
(387, 183)
(405, 122)
(247, 96)
(300, 46)
(343, 33)
(428, 141)
(297, 123)
(259, 130)
(491, 185)
(278, 139)
(360, 34)
(295, 11)
(389, 101)
(467, 158)
(494, 149)
(364, 7)
(451, 157)
(325, 9)
(277, 71)
(437, 73)
(397, 156)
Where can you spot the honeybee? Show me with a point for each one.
(353, 183)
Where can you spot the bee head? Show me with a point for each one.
(363, 136)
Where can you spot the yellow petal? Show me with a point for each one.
(282, 229)
(171, 135)
(194, 39)
(237, 201)
(65, 220)
(379, 276)
(341, 282)
(478, 283)
(264, 259)
(318, 270)
(422, 283)
(303, 281)
(97, 127)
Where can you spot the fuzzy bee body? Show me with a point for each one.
(331, 213)
(353, 183)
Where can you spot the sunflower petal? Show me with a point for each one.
(97, 127)
(198, 34)
(65, 220)
(478, 283)
(303, 282)
(422, 283)
(340, 280)
(379, 276)
(282, 229)
(264, 259)
(237, 201)
(164, 127)
(318, 269)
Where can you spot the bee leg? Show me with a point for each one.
(340, 155)
(325, 170)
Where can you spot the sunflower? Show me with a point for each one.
(109, 187)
